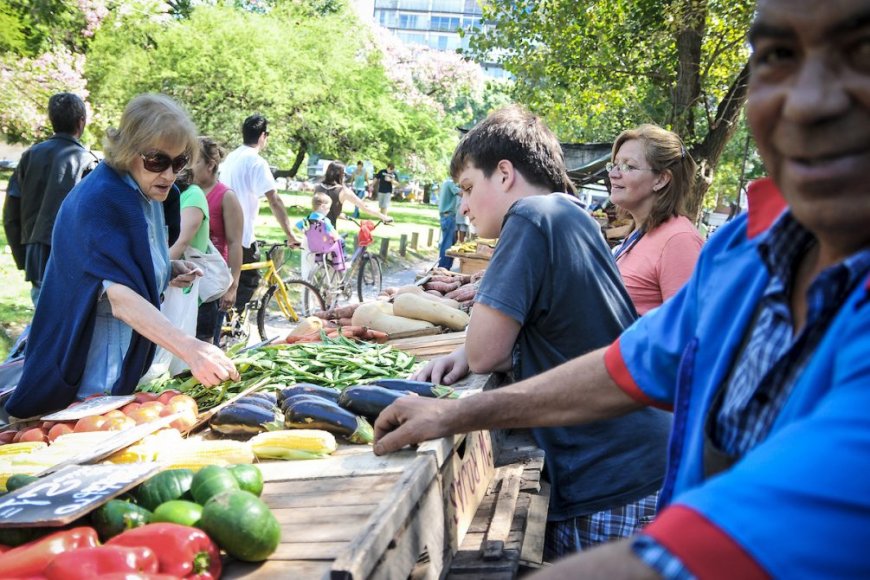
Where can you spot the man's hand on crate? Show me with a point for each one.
(412, 420)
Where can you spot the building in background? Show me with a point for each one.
(432, 23)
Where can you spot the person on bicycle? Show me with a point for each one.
(333, 186)
(98, 317)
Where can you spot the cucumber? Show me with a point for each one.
(211, 481)
(19, 480)
(242, 525)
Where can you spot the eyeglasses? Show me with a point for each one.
(625, 167)
(157, 162)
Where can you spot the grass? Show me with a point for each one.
(16, 309)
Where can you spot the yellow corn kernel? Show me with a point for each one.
(23, 447)
(216, 452)
(293, 444)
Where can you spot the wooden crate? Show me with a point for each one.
(471, 265)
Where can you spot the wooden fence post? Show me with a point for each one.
(415, 237)
(403, 244)
(431, 235)
(385, 246)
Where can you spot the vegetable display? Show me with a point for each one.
(335, 363)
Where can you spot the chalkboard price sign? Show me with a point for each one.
(70, 493)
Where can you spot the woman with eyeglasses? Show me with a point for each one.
(98, 318)
(651, 176)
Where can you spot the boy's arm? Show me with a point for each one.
(490, 339)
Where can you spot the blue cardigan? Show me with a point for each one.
(100, 234)
(798, 504)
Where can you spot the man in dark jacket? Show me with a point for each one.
(46, 173)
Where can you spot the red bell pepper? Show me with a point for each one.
(87, 563)
(181, 550)
(32, 558)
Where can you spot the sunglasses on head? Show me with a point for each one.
(157, 162)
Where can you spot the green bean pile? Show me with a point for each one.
(337, 363)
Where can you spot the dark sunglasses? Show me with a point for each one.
(157, 162)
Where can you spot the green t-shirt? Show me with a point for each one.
(193, 196)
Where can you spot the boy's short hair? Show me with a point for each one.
(518, 136)
(252, 128)
(319, 199)
(65, 110)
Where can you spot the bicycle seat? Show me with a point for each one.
(322, 244)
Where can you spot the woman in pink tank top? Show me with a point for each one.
(225, 227)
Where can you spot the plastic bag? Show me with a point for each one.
(180, 308)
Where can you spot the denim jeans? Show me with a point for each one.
(360, 193)
(448, 233)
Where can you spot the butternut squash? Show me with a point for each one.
(379, 316)
(306, 326)
(420, 308)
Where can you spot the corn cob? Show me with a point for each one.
(197, 454)
(23, 447)
(293, 444)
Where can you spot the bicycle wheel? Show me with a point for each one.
(321, 277)
(275, 320)
(369, 280)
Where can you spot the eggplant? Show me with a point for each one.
(369, 400)
(289, 401)
(422, 388)
(314, 414)
(308, 389)
(257, 401)
(240, 419)
(270, 396)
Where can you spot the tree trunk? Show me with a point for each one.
(300, 155)
(708, 151)
(690, 37)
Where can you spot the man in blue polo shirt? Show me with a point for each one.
(764, 356)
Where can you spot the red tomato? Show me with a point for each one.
(129, 407)
(7, 436)
(152, 404)
(33, 434)
(182, 402)
(184, 422)
(144, 397)
(92, 423)
(144, 414)
(114, 414)
(167, 395)
(59, 429)
(118, 423)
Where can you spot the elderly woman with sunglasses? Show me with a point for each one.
(651, 176)
(98, 318)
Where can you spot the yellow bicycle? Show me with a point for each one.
(278, 302)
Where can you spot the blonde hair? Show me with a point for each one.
(149, 121)
(665, 153)
(319, 199)
(211, 151)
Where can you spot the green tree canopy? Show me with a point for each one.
(593, 68)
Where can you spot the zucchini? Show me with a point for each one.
(19, 480)
(244, 419)
(308, 389)
(313, 414)
(421, 388)
(368, 400)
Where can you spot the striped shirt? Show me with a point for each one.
(773, 357)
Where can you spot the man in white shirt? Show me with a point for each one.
(248, 174)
